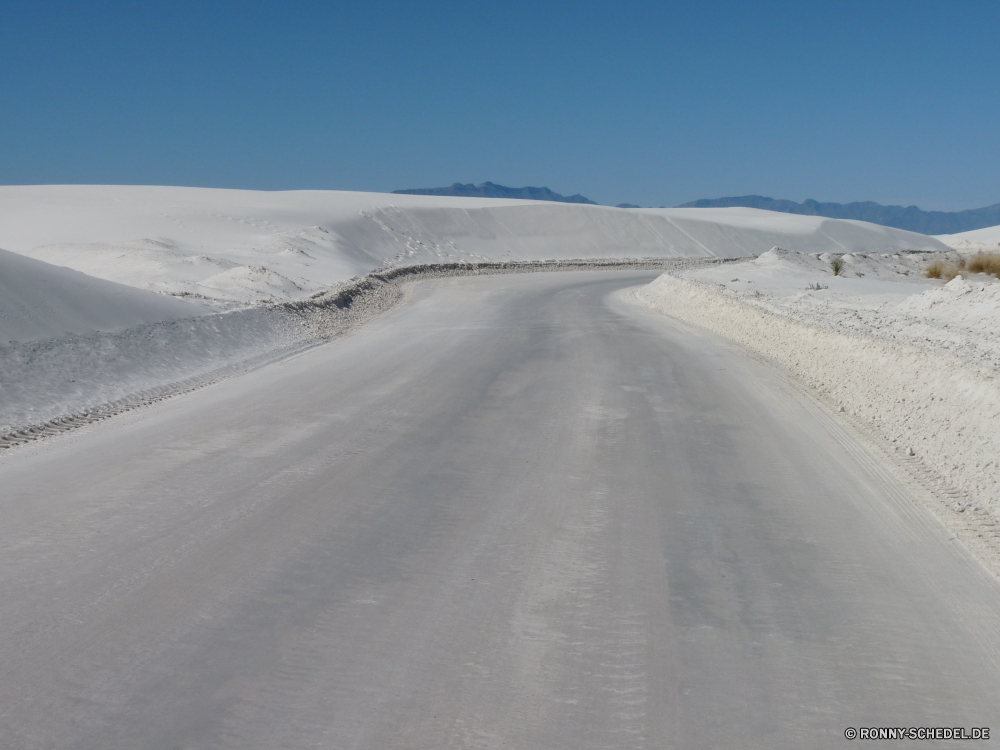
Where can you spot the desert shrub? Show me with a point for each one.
(946, 270)
(984, 263)
(837, 264)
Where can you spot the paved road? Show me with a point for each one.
(517, 512)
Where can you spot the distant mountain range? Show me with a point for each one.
(900, 217)
(910, 217)
(492, 190)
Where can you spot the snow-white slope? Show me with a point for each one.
(70, 342)
(244, 246)
(41, 301)
(978, 239)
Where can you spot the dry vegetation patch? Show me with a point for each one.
(984, 263)
(944, 268)
(948, 268)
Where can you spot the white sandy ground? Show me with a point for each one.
(917, 361)
(51, 384)
(244, 246)
(514, 513)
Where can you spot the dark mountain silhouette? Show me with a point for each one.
(910, 217)
(492, 190)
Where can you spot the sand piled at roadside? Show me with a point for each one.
(912, 361)
(58, 382)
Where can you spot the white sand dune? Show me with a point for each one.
(975, 240)
(41, 301)
(70, 341)
(246, 246)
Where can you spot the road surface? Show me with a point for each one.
(517, 512)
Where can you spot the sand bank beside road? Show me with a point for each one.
(909, 362)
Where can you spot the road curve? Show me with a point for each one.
(517, 512)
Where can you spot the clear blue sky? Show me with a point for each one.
(655, 103)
